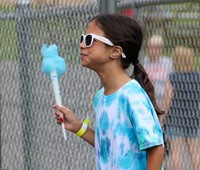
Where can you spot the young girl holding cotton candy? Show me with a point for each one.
(127, 133)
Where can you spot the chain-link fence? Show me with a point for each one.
(30, 138)
(173, 30)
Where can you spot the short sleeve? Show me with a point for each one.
(146, 124)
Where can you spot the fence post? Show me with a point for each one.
(108, 6)
(26, 75)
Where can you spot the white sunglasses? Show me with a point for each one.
(88, 40)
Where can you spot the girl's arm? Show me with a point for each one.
(72, 124)
(88, 136)
(155, 157)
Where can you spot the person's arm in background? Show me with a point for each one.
(166, 100)
(155, 156)
(72, 124)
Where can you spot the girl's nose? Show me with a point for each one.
(82, 45)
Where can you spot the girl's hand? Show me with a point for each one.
(69, 119)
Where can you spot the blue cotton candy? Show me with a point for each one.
(52, 61)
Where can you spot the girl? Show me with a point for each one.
(127, 134)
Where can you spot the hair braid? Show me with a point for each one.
(141, 76)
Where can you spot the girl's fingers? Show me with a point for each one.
(58, 117)
(61, 108)
(55, 106)
(57, 113)
(59, 120)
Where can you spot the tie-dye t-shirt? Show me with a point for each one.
(126, 125)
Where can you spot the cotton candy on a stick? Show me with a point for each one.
(54, 66)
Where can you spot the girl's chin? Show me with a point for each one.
(83, 64)
(86, 66)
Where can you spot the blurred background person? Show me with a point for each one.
(182, 123)
(159, 68)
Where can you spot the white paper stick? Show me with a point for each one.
(56, 91)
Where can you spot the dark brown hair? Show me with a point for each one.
(127, 33)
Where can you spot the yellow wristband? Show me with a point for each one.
(83, 128)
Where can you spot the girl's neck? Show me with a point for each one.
(113, 80)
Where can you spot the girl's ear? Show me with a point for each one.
(116, 52)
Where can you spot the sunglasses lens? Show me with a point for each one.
(88, 40)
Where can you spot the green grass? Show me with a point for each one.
(58, 31)
(51, 30)
(8, 37)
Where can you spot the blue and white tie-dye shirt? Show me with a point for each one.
(126, 125)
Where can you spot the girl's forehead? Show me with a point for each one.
(94, 28)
